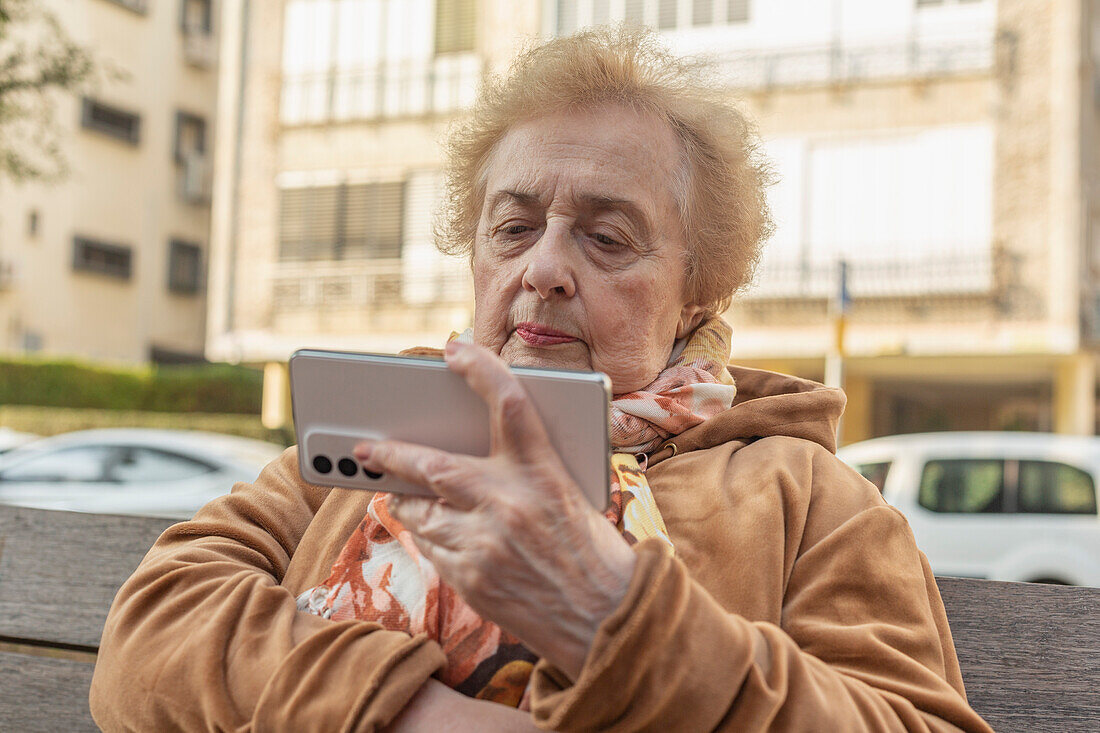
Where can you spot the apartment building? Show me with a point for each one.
(940, 153)
(110, 262)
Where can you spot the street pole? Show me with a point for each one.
(838, 313)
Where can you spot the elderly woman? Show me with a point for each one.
(611, 205)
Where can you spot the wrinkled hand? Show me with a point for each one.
(514, 535)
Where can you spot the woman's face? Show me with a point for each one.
(579, 257)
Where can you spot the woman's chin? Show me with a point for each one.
(569, 355)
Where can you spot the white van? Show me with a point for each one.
(1005, 506)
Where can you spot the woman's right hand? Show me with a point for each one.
(439, 709)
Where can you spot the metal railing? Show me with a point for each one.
(406, 89)
(936, 275)
(842, 62)
(367, 284)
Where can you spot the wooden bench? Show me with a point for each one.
(1030, 654)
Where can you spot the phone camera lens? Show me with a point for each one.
(348, 467)
(322, 464)
(372, 474)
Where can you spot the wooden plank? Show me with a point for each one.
(59, 571)
(1029, 653)
(43, 694)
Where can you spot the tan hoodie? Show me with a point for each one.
(796, 600)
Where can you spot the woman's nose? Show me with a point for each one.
(549, 270)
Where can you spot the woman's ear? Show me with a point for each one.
(691, 315)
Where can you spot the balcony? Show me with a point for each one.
(943, 275)
(200, 48)
(413, 88)
(368, 285)
(848, 63)
(194, 182)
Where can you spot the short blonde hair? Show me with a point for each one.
(721, 193)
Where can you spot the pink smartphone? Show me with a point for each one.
(340, 398)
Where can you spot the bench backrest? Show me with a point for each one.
(1030, 654)
(59, 572)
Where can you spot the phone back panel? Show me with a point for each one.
(340, 398)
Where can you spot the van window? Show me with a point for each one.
(963, 486)
(1047, 487)
(875, 473)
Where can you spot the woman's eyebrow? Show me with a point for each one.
(500, 198)
(632, 211)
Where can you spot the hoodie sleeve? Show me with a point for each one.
(203, 636)
(863, 645)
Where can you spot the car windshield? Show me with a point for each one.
(78, 463)
(145, 465)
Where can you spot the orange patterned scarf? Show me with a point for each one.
(381, 576)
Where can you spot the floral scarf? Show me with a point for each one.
(381, 576)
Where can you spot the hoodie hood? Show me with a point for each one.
(767, 404)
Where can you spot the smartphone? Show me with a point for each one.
(339, 398)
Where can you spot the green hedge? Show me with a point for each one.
(215, 388)
(54, 420)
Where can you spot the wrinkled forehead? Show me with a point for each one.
(612, 154)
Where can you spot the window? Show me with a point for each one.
(83, 463)
(455, 26)
(347, 221)
(370, 59)
(963, 486)
(933, 3)
(737, 11)
(114, 260)
(1047, 487)
(125, 126)
(190, 136)
(702, 12)
(601, 11)
(666, 14)
(567, 17)
(875, 473)
(662, 14)
(196, 16)
(148, 465)
(184, 267)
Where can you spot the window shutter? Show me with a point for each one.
(666, 14)
(455, 26)
(308, 227)
(737, 11)
(372, 220)
(702, 12)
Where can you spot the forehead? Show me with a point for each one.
(614, 153)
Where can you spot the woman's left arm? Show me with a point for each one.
(629, 641)
(858, 650)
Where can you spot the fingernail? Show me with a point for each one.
(362, 451)
(451, 348)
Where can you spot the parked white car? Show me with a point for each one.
(1005, 506)
(13, 439)
(160, 473)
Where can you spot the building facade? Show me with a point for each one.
(940, 153)
(110, 262)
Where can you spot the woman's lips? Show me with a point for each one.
(537, 335)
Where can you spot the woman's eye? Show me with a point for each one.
(515, 229)
(606, 240)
